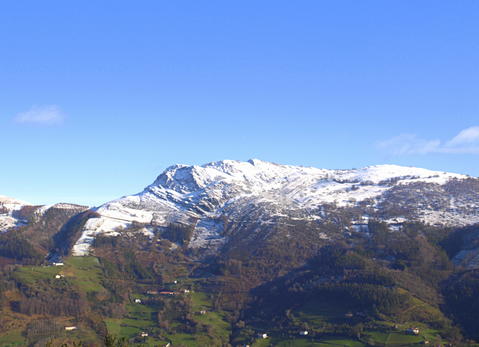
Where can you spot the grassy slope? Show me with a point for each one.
(140, 317)
(214, 321)
(85, 273)
(13, 338)
(317, 314)
(82, 273)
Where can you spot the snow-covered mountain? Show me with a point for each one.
(16, 213)
(9, 212)
(261, 193)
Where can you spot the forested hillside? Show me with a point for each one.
(369, 288)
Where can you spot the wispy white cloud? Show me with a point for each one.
(46, 115)
(466, 136)
(465, 142)
(409, 144)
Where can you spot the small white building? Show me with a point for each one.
(143, 334)
(262, 336)
(59, 276)
(186, 291)
(71, 328)
(304, 333)
(58, 264)
(413, 331)
(137, 301)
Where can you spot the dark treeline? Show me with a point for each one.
(15, 245)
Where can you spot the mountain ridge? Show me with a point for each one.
(15, 213)
(262, 192)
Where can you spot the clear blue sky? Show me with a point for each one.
(98, 97)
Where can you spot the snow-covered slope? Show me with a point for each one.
(260, 192)
(9, 212)
(15, 213)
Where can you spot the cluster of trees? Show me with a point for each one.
(43, 329)
(370, 298)
(53, 305)
(365, 278)
(14, 245)
(340, 275)
(460, 239)
(462, 300)
(416, 249)
(178, 233)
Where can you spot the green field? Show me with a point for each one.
(322, 343)
(262, 343)
(82, 272)
(211, 323)
(318, 314)
(29, 275)
(215, 320)
(402, 339)
(138, 318)
(373, 338)
(392, 338)
(340, 342)
(308, 342)
(85, 273)
(141, 317)
(12, 339)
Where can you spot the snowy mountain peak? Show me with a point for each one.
(5, 200)
(254, 172)
(261, 191)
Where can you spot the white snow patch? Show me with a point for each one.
(207, 234)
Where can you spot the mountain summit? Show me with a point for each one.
(259, 193)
